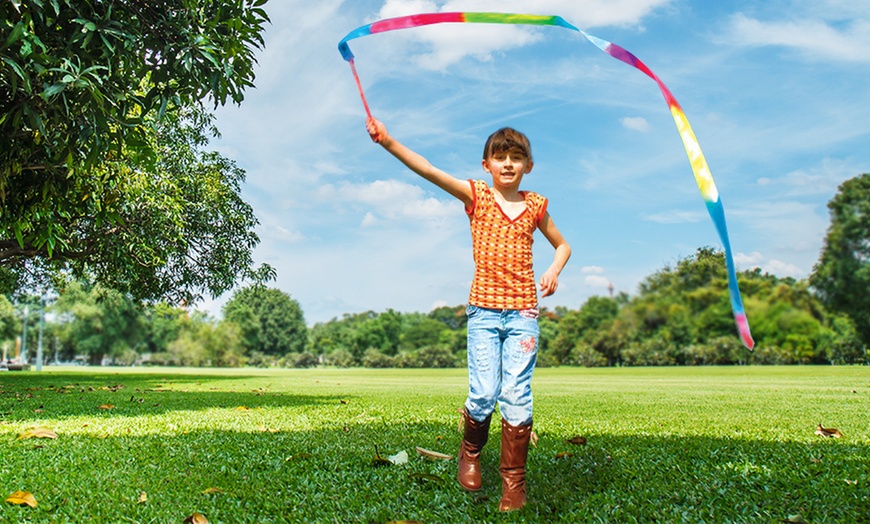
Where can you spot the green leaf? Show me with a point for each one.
(14, 35)
(53, 90)
(19, 72)
(208, 56)
(18, 234)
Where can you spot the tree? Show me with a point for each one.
(421, 332)
(175, 229)
(842, 275)
(454, 317)
(200, 341)
(100, 322)
(327, 337)
(380, 332)
(79, 77)
(165, 324)
(271, 322)
(583, 325)
(9, 323)
(101, 133)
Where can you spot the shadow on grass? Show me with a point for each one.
(29, 396)
(326, 474)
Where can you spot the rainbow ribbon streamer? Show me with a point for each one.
(703, 177)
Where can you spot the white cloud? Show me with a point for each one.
(783, 269)
(581, 13)
(450, 43)
(750, 260)
(592, 270)
(772, 266)
(635, 123)
(597, 281)
(369, 220)
(280, 234)
(390, 200)
(675, 217)
(439, 303)
(812, 37)
(821, 179)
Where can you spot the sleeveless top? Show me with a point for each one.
(503, 275)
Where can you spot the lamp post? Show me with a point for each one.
(24, 337)
(41, 324)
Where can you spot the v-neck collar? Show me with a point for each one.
(502, 211)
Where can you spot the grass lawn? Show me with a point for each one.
(710, 444)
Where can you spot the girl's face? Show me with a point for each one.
(507, 168)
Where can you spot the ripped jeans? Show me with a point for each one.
(502, 349)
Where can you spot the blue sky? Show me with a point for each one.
(776, 91)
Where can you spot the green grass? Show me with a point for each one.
(714, 445)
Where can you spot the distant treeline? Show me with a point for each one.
(680, 316)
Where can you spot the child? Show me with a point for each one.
(503, 306)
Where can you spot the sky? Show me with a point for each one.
(776, 92)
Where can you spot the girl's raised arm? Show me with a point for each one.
(461, 189)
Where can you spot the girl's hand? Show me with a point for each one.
(377, 130)
(549, 283)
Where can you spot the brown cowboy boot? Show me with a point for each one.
(514, 451)
(475, 436)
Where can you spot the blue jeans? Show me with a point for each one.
(502, 349)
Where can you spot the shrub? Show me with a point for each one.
(585, 355)
(375, 359)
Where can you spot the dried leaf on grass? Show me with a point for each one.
(196, 518)
(563, 454)
(433, 454)
(399, 458)
(425, 477)
(795, 519)
(828, 432)
(106, 406)
(378, 460)
(577, 440)
(22, 498)
(37, 432)
(209, 491)
(143, 498)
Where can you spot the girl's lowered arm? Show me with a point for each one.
(550, 278)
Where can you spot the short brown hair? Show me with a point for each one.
(507, 139)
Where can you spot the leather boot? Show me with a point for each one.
(514, 451)
(473, 439)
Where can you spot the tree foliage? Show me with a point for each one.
(269, 320)
(9, 322)
(671, 321)
(100, 322)
(176, 231)
(842, 274)
(79, 76)
(102, 130)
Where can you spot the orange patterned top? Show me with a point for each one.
(503, 275)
